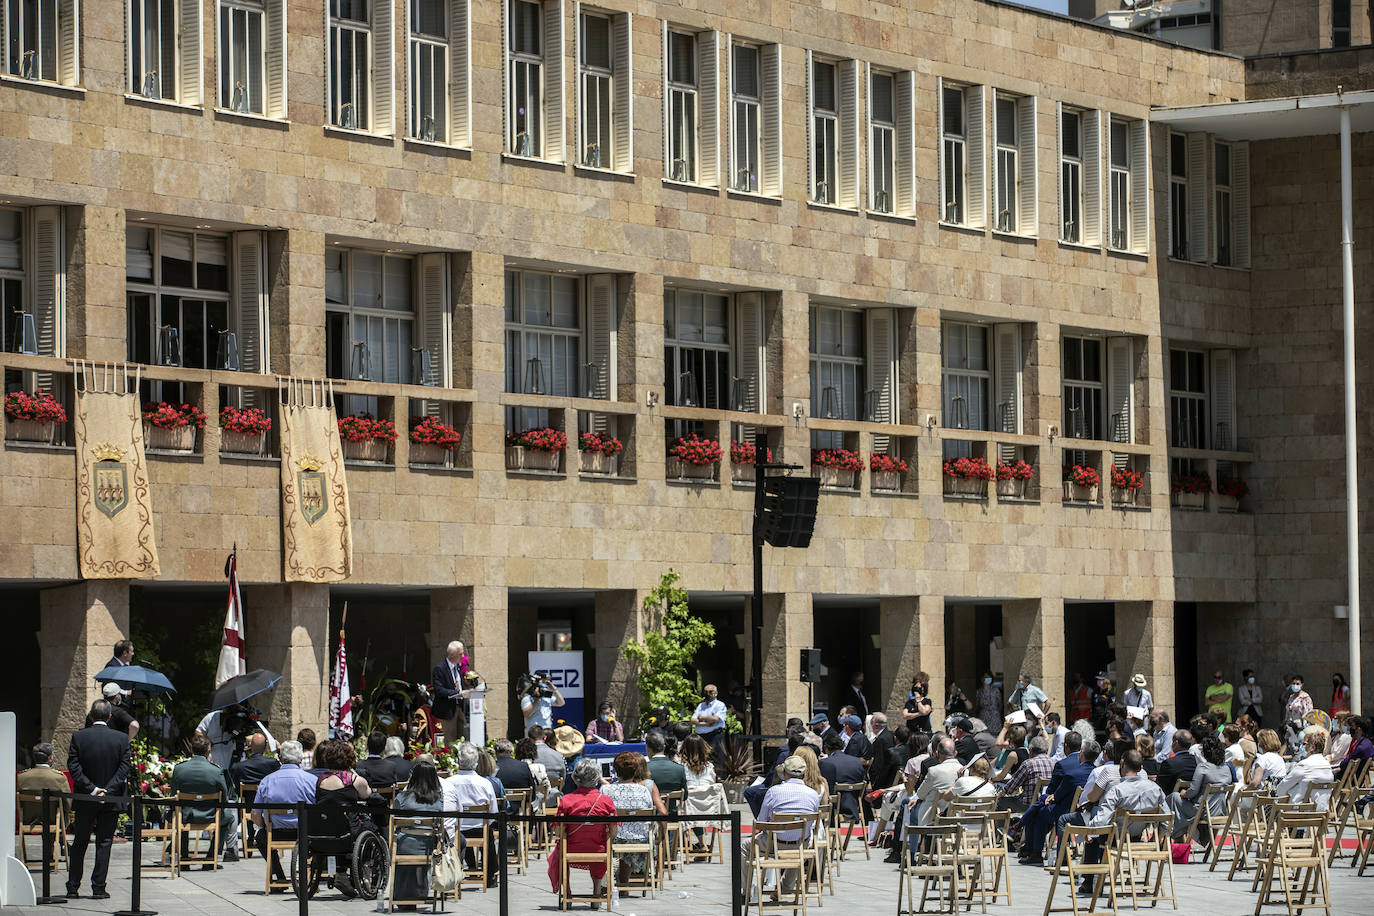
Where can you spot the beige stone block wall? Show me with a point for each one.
(80, 625)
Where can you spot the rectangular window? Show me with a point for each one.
(370, 315)
(438, 73)
(543, 340)
(1178, 196)
(1008, 171)
(154, 61)
(967, 375)
(824, 124)
(680, 116)
(603, 91)
(533, 37)
(962, 166)
(252, 57)
(1071, 156)
(838, 374)
(32, 284)
(1188, 398)
(17, 331)
(40, 39)
(1128, 179)
(1225, 228)
(755, 118)
(882, 141)
(360, 65)
(697, 351)
(1084, 382)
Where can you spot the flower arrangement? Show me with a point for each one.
(250, 421)
(364, 427)
(1017, 470)
(747, 453)
(173, 416)
(546, 439)
(1081, 476)
(969, 469)
(1192, 483)
(1127, 479)
(879, 462)
(1233, 487)
(692, 449)
(841, 459)
(39, 407)
(433, 431)
(600, 444)
(153, 772)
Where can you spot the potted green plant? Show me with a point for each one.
(839, 467)
(1230, 491)
(243, 430)
(600, 452)
(172, 427)
(432, 441)
(1190, 490)
(693, 457)
(736, 768)
(742, 456)
(1012, 478)
(967, 477)
(538, 449)
(1126, 483)
(1081, 484)
(365, 437)
(33, 417)
(885, 472)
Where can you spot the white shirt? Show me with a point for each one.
(1313, 767)
(1057, 743)
(714, 708)
(1272, 765)
(1139, 696)
(463, 790)
(1235, 753)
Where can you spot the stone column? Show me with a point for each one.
(485, 283)
(1033, 640)
(619, 619)
(1145, 645)
(476, 615)
(787, 629)
(96, 314)
(912, 637)
(295, 288)
(640, 373)
(292, 639)
(795, 373)
(79, 626)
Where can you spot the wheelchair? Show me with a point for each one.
(359, 850)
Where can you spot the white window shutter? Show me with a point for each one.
(1028, 217)
(49, 286)
(1060, 189)
(708, 108)
(384, 67)
(868, 130)
(435, 322)
(460, 72)
(190, 91)
(975, 156)
(749, 353)
(1120, 390)
(248, 308)
(810, 127)
(904, 158)
(1198, 198)
(1007, 368)
(1240, 202)
(770, 153)
(555, 51)
(600, 336)
(881, 366)
(622, 63)
(276, 60)
(506, 88)
(578, 129)
(940, 145)
(1223, 432)
(68, 42)
(667, 106)
(1092, 178)
(849, 144)
(1139, 139)
(730, 139)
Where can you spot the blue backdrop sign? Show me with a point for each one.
(565, 670)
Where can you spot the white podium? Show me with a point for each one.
(16, 884)
(477, 715)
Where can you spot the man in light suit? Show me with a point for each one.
(940, 777)
(447, 682)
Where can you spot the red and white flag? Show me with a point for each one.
(340, 697)
(231, 662)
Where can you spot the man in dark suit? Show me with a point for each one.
(198, 776)
(98, 761)
(838, 766)
(882, 742)
(965, 745)
(1179, 766)
(372, 766)
(123, 654)
(1069, 774)
(394, 768)
(855, 742)
(255, 763)
(514, 774)
(446, 681)
(855, 695)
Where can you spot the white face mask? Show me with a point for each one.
(1295, 687)
(1249, 680)
(987, 681)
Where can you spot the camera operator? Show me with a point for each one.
(226, 730)
(918, 705)
(537, 701)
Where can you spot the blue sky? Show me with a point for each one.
(1054, 6)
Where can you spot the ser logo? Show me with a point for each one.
(563, 678)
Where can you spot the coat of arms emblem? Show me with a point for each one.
(310, 489)
(111, 479)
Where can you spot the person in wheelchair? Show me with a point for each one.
(337, 828)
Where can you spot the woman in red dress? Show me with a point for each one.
(584, 801)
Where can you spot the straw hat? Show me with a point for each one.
(1139, 681)
(568, 741)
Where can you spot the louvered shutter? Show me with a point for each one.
(1092, 178)
(1198, 198)
(1060, 186)
(904, 157)
(190, 91)
(507, 125)
(975, 156)
(1139, 139)
(881, 366)
(708, 108)
(1007, 377)
(1223, 433)
(849, 142)
(940, 146)
(276, 59)
(770, 62)
(600, 345)
(1240, 202)
(249, 307)
(460, 72)
(1028, 215)
(730, 139)
(435, 322)
(555, 50)
(810, 127)
(749, 353)
(667, 105)
(68, 42)
(49, 286)
(579, 128)
(1120, 390)
(622, 68)
(384, 67)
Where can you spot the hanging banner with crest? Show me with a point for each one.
(114, 514)
(317, 539)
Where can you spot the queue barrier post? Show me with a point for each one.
(136, 889)
(736, 867)
(302, 860)
(45, 812)
(503, 889)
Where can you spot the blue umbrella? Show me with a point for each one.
(136, 677)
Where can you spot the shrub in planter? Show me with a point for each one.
(172, 426)
(886, 471)
(366, 437)
(742, 457)
(535, 449)
(243, 430)
(967, 476)
(693, 456)
(840, 467)
(1125, 484)
(1012, 477)
(431, 440)
(599, 452)
(1230, 491)
(32, 417)
(1191, 489)
(1081, 483)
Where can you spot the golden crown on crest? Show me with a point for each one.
(309, 463)
(108, 451)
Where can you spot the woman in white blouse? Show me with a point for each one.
(1269, 764)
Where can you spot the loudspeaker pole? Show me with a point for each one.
(761, 464)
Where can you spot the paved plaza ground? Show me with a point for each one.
(862, 887)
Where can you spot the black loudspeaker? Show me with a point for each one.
(810, 666)
(789, 510)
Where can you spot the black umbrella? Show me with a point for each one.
(243, 687)
(136, 677)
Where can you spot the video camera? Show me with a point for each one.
(536, 685)
(241, 721)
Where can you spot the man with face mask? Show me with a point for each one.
(1218, 697)
(709, 718)
(1027, 694)
(604, 728)
(1250, 697)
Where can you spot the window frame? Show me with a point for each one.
(1198, 408)
(749, 140)
(358, 32)
(983, 378)
(351, 312)
(270, 59)
(156, 288)
(682, 103)
(1072, 176)
(1007, 166)
(16, 281)
(1179, 216)
(674, 346)
(1223, 206)
(1084, 388)
(441, 89)
(823, 126)
(882, 145)
(30, 63)
(603, 79)
(847, 365)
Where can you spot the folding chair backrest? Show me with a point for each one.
(772, 832)
(938, 845)
(971, 804)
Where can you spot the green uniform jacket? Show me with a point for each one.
(200, 777)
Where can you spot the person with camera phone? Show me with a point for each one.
(918, 706)
(537, 701)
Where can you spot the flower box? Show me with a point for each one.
(177, 439)
(232, 442)
(432, 441)
(1011, 488)
(428, 454)
(598, 463)
(841, 478)
(966, 487)
(1226, 503)
(30, 431)
(32, 417)
(519, 458)
(1124, 496)
(1077, 493)
(365, 450)
(679, 470)
(742, 473)
(1190, 500)
(886, 481)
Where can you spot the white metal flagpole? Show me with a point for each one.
(1352, 515)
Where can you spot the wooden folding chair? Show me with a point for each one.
(541, 839)
(165, 835)
(519, 800)
(481, 846)
(566, 860)
(712, 845)
(994, 854)
(282, 849)
(768, 852)
(971, 873)
(248, 791)
(1342, 807)
(832, 832)
(858, 790)
(56, 826)
(1225, 841)
(813, 854)
(1104, 872)
(1144, 852)
(189, 835)
(1202, 818)
(426, 828)
(1051, 850)
(1264, 849)
(672, 834)
(1364, 840)
(1297, 864)
(652, 878)
(932, 854)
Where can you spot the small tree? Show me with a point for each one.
(668, 651)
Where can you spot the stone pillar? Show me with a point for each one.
(292, 639)
(1033, 640)
(1145, 645)
(295, 289)
(79, 626)
(619, 619)
(787, 629)
(912, 638)
(476, 615)
(485, 283)
(795, 372)
(96, 314)
(640, 373)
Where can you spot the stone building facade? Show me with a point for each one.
(864, 232)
